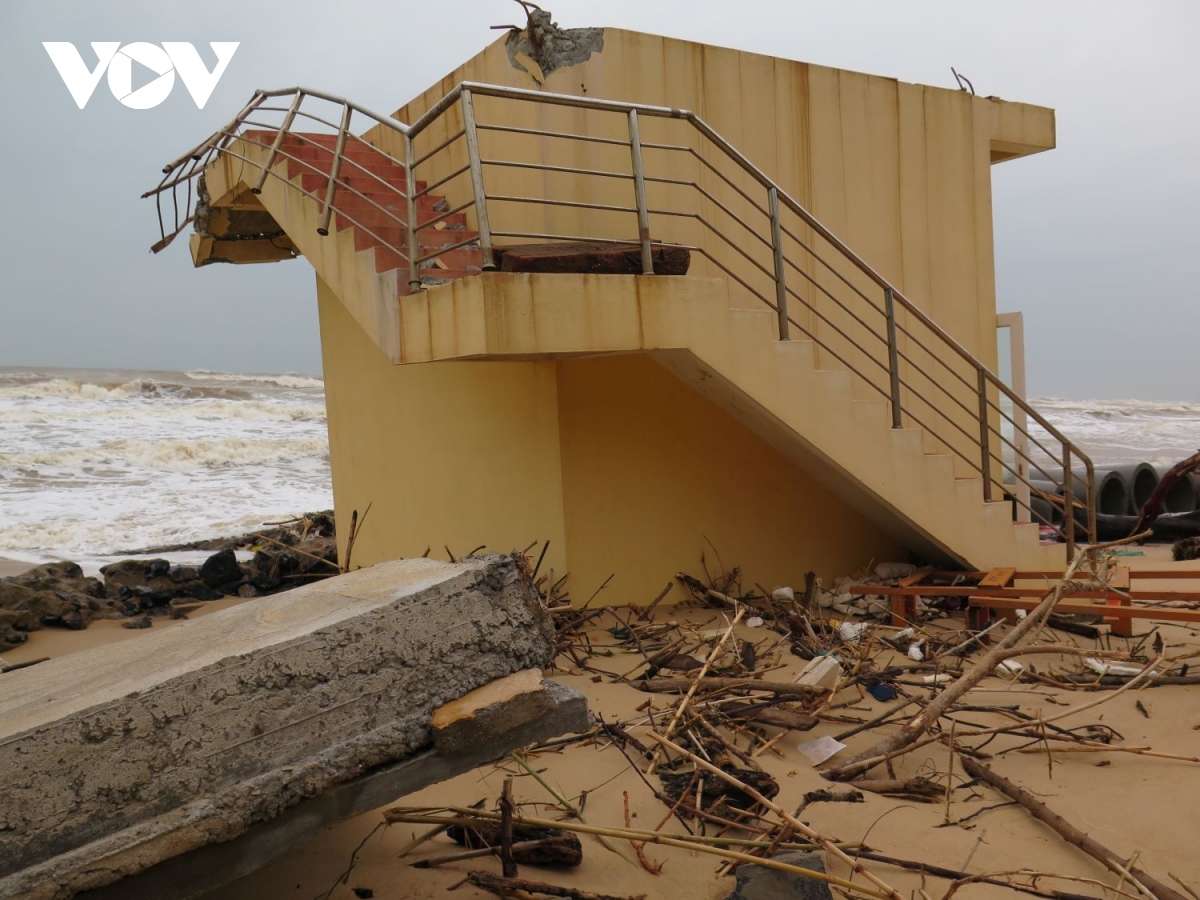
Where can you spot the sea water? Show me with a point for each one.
(95, 464)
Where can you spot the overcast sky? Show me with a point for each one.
(1095, 241)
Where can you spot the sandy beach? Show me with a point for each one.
(1128, 802)
(13, 567)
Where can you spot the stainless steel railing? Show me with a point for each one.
(686, 185)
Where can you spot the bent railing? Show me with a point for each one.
(534, 166)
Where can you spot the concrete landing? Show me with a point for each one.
(121, 757)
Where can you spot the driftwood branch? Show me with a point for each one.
(712, 683)
(1153, 506)
(504, 887)
(913, 729)
(790, 820)
(1069, 832)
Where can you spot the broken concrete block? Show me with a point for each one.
(488, 713)
(122, 756)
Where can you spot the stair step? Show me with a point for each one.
(427, 238)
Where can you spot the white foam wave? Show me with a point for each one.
(169, 454)
(286, 379)
(248, 410)
(147, 388)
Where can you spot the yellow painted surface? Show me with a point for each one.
(654, 475)
(731, 359)
(446, 454)
(899, 172)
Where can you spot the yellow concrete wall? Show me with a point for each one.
(622, 466)
(651, 468)
(900, 172)
(447, 454)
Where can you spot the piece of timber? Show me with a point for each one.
(120, 757)
(591, 258)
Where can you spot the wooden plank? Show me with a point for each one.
(999, 577)
(916, 577)
(1164, 614)
(594, 258)
(968, 590)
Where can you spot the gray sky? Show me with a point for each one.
(1094, 240)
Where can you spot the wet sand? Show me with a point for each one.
(13, 567)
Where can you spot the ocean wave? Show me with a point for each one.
(1112, 408)
(145, 455)
(287, 379)
(147, 388)
(245, 410)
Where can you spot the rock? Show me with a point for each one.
(140, 622)
(755, 882)
(180, 574)
(198, 590)
(264, 570)
(221, 571)
(248, 590)
(158, 567)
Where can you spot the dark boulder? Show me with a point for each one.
(221, 572)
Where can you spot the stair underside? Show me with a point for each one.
(732, 356)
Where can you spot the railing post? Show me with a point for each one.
(335, 170)
(780, 273)
(481, 208)
(1069, 502)
(410, 195)
(277, 143)
(1093, 501)
(985, 436)
(639, 193)
(889, 304)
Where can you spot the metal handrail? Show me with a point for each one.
(773, 236)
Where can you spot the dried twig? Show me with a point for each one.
(1154, 888)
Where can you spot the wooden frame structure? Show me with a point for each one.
(997, 590)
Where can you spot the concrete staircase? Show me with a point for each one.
(693, 327)
(365, 255)
(698, 328)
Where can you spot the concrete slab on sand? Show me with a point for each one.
(118, 758)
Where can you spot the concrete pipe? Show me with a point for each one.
(1182, 496)
(1142, 481)
(1112, 489)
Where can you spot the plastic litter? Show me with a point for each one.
(887, 571)
(821, 749)
(1106, 668)
(1008, 668)
(852, 631)
(882, 692)
(915, 653)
